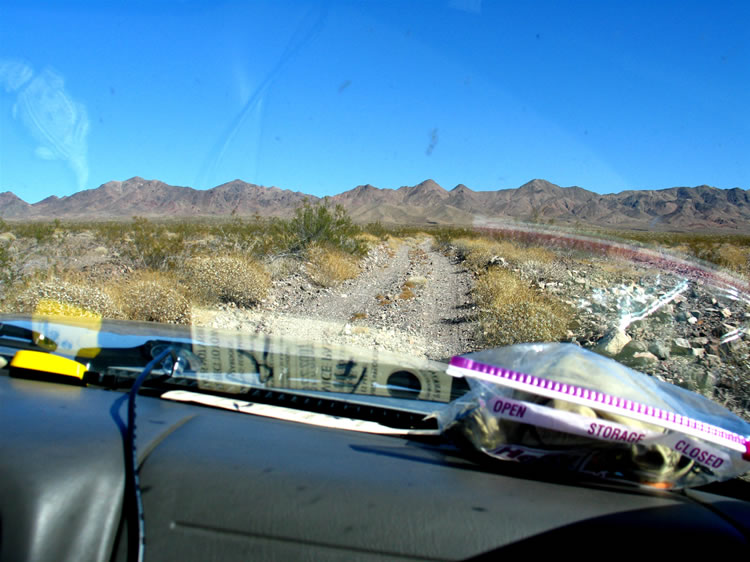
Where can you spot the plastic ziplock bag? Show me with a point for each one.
(562, 407)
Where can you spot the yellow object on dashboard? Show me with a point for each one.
(38, 365)
(51, 307)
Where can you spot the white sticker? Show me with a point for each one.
(569, 422)
(288, 414)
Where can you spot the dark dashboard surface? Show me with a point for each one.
(223, 485)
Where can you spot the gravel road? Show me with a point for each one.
(409, 299)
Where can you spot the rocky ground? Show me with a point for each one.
(418, 300)
(681, 329)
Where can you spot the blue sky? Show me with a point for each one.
(323, 96)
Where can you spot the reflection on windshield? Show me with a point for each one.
(432, 293)
(357, 275)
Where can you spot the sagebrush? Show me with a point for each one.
(154, 297)
(58, 297)
(510, 311)
(329, 266)
(230, 279)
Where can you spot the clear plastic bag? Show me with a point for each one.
(558, 405)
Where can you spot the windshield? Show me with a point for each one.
(358, 180)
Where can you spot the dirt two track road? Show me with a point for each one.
(407, 298)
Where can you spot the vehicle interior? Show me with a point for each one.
(279, 137)
(288, 483)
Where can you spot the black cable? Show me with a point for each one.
(134, 503)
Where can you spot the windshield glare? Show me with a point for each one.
(376, 188)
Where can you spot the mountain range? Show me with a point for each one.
(677, 208)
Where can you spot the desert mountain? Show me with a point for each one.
(678, 208)
(153, 198)
(12, 206)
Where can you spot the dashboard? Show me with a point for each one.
(219, 485)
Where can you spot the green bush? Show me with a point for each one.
(244, 236)
(153, 246)
(6, 261)
(322, 225)
(42, 231)
(377, 230)
(111, 232)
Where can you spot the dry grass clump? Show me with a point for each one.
(409, 288)
(510, 311)
(406, 293)
(393, 244)
(153, 297)
(370, 239)
(57, 297)
(537, 254)
(733, 257)
(478, 253)
(230, 279)
(328, 266)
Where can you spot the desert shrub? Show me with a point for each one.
(153, 297)
(41, 231)
(726, 250)
(329, 266)
(478, 253)
(733, 257)
(56, 297)
(370, 239)
(446, 235)
(377, 230)
(510, 311)
(230, 279)
(322, 225)
(111, 232)
(153, 246)
(6, 259)
(244, 236)
(405, 231)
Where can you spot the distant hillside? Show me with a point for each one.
(677, 208)
(153, 198)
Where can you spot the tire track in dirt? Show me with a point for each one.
(413, 300)
(430, 299)
(357, 296)
(419, 294)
